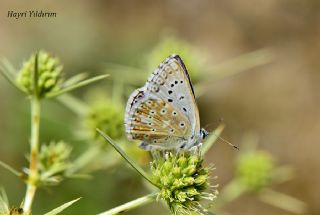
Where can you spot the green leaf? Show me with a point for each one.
(122, 209)
(241, 63)
(11, 169)
(76, 86)
(283, 201)
(75, 79)
(4, 202)
(126, 157)
(62, 207)
(74, 104)
(8, 72)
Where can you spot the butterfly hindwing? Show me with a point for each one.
(156, 122)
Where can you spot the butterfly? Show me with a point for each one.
(163, 114)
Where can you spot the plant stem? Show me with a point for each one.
(34, 152)
(131, 205)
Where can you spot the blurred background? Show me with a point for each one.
(254, 66)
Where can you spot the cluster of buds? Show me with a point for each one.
(254, 169)
(183, 182)
(54, 159)
(106, 115)
(49, 75)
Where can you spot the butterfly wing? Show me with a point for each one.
(163, 114)
(171, 82)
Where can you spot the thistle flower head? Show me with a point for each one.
(49, 75)
(54, 154)
(254, 169)
(54, 160)
(183, 181)
(107, 116)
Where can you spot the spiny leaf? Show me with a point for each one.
(62, 207)
(126, 157)
(76, 86)
(75, 79)
(11, 169)
(8, 72)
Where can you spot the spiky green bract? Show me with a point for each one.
(107, 116)
(49, 75)
(183, 182)
(255, 169)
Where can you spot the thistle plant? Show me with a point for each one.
(256, 171)
(41, 78)
(181, 179)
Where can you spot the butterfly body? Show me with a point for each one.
(163, 114)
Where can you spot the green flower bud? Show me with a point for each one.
(201, 179)
(108, 117)
(49, 75)
(167, 167)
(188, 181)
(182, 161)
(183, 182)
(54, 156)
(180, 196)
(189, 170)
(176, 171)
(254, 170)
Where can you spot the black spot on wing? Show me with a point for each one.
(177, 57)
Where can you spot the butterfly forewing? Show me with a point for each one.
(171, 82)
(163, 114)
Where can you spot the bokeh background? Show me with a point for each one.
(256, 67)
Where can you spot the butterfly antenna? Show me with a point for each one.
(230, 144)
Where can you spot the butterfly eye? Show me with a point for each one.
(182, 124)
(174, 113)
